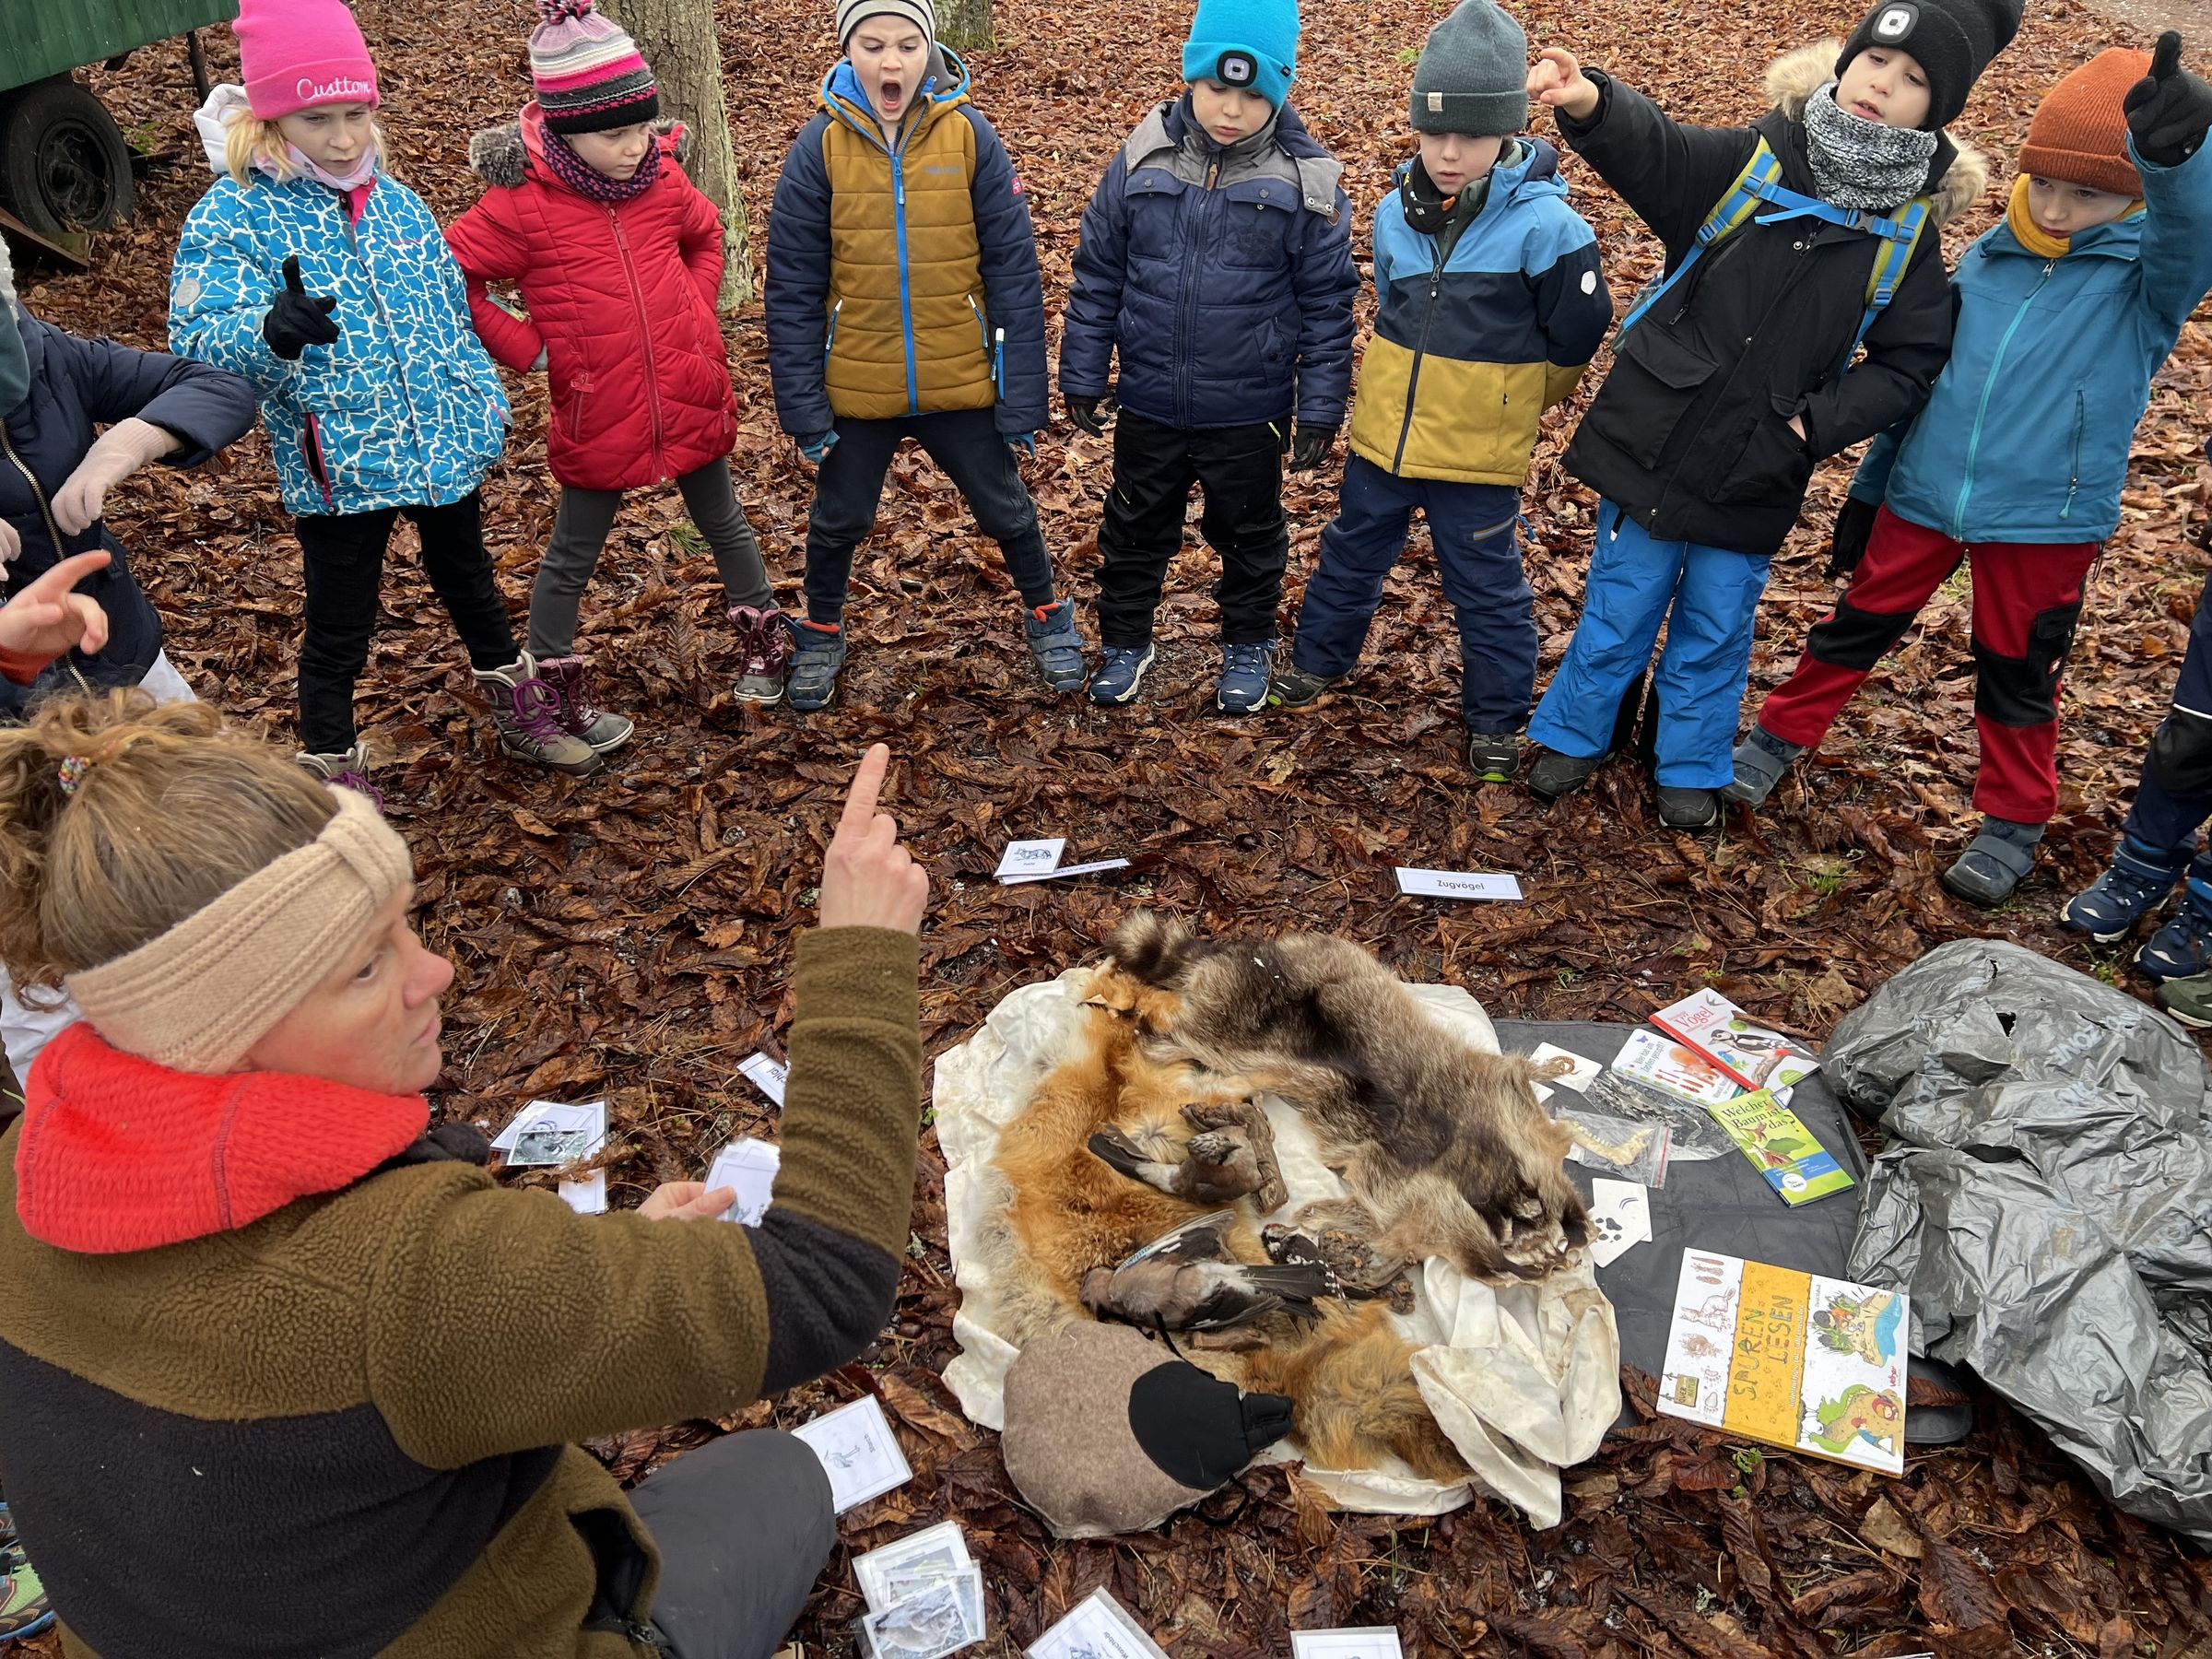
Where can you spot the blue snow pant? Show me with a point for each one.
(1707, 598)
(1475, 528)
(2174, 796)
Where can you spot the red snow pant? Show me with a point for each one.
(2026, 600)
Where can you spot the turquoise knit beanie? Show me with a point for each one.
(1249, 44)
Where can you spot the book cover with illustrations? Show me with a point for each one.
(1800, 1361)
(1755, 1056)
(1682, 1072)
(1781, 1147)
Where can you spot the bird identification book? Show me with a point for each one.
(1781, 1147)
(1755, 1056)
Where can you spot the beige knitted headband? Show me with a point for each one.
(201, 995)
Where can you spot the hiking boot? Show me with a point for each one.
(1121, 672)
(1054, 644)
(24, 1609)
(763, 652)
(2182, 948)
(349, 768)
(1494, 757)
(1294, 688)
(528, 714)
(1555, 774)
(7, 1525)
(1760, 759)
(570, 681)
(2132, 886)
(1243, 688)
(817, 653)
(2188, 1000)
(1683, 808)
(2001, 854)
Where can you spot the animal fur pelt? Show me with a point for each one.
(1444, 1145)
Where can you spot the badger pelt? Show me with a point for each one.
(1064, 1211)
(1444, 1145)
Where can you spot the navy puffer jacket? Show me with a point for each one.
(1230, 302)
(73, 384)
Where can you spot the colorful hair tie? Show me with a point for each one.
(74, 768)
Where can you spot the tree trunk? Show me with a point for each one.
(680, 39)
(965, 26)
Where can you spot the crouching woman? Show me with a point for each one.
(283, 1371)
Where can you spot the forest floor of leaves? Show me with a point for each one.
(629, 935)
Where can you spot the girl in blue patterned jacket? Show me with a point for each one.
(326, 282)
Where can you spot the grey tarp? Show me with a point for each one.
(2046, 1197)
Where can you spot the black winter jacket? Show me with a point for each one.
(76, 386)
(1689, 434)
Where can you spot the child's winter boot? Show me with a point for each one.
(1294, 688)
(528, 714)
(1494, 757)
(1555, 774)
(1245, 671)
(817, 653)
(1993, 862)
(763, 650)
(1760, 759)
(1684, 807)
(2189, 1000)
(24, 1608)
(2182, 948)
(1120, 674)
(348, 769)
(2132, 885)
(1055, 644)
(580, 717)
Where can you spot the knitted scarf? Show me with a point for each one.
(1859, 163)
(588, 182)
(2032, 236)
(1432, 213)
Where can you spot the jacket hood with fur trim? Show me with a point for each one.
(500, 155)
(1796, 75)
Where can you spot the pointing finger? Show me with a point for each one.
(2166, 57)
(291, 274)
(867, 786)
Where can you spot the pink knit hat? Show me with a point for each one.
(294, 53)
(588, 73)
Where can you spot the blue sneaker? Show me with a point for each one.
(1121, 673)
(817, 653)
(1055, 644)
(1245, 671)
(2130, 888)
(2182, 948)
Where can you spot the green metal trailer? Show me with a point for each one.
(64, 164)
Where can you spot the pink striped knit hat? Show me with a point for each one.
(295, 53)
(589, 75)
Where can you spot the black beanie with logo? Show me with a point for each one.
(1952, 41)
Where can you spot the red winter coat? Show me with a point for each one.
(621, 299)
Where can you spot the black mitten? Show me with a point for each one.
(1312, 447)
(1090, 413)
(1847, 544)
(298, 319)
(2169, 108)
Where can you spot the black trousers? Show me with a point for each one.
(1240, 471)
(848, 487)
(343, 555)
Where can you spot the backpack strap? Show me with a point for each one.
(1728, 214)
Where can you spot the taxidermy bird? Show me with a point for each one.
(1223, 1165)
(1202, 1296)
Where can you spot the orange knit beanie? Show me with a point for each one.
(2079, 132)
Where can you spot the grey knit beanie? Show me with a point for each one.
(851, 14)
(1473, 76)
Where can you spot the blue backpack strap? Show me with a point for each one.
(1729, 214)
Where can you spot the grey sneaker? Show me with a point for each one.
(1685, 809)
(349, 768)
(1760, 759)
(1555, 774)
(817, 654)
(570, 678)
(1494, 757)
(1051, 631)
(1293, 688)
(528, 714)
(1993, 863)
(764, 649)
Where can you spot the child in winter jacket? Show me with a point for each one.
(1700, 442)
(1491, 302)
(323, 280)
(2065, 308)
(904, 302)
(1216, 257)
(619, 259)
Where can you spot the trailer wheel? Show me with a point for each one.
(64, 164)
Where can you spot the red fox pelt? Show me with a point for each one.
(1067, 1211)
(1444, 1145)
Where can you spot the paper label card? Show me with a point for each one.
(1620, 1218)
(858, 1452)
(1584, 1073)
(1353, 1642)
(1097, 1627)
(935, 1552)
(548, 1133)
(1032, 857)
(768, 1076)
(1081, 869)
(749, 1165)
(1457, 883)
(586, 1197)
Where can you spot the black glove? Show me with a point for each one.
(298, 319)
(1847, 544)
(1311, 446)
(1090, 413)
(2169, 108)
